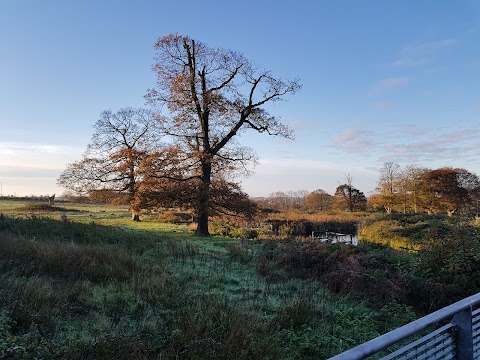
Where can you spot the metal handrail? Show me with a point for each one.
(384, 341)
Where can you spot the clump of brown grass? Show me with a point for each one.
(341, 268)
(75, 263)
(44, 207)
(295, 215)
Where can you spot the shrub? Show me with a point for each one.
(370, 271)
(285, 231)
(224, 229)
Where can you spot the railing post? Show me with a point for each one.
(463, 334)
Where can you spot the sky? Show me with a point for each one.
(383, 81)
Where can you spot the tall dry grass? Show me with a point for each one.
(72, 262)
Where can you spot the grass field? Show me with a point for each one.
(85, 282)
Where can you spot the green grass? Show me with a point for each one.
(86, 282)
(7, 205)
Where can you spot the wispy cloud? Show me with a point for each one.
(388, 84)
(275, 174)
(458, 135)
(19, 171)
(27, 168)
(383, 104)
(421, 54)
(354, 139)
(361, 150)
(439, 146)
(13, 147)
(37, 155)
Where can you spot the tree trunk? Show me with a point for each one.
(134, 208)
(203, 201)
(135, 216)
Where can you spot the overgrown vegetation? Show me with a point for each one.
(445, 253)
(83, 284)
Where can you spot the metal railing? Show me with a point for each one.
(455, 335)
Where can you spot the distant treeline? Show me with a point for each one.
(31, 198)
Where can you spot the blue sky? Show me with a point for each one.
(382, 81)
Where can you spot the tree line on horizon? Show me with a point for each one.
(345, 198)
(445, 190)
(411, 189)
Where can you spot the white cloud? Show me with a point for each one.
(37, 155)
(362, 151)
(31, 168)
(383, 104)
(410, 62)
(421, 54)
(355, 139)
(388, 84)
(273, 175)
(412, 144)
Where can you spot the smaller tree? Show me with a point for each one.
(388, 187)
(448, 189)
(121, 141)
(410, 180)
(348, 198)
(278, 200)
(318, 200)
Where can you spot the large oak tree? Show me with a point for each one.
(208, 96)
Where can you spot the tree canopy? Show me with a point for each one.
(318, 200)
(121, 141)
(207, 96)
(349, 198)
(443, 190)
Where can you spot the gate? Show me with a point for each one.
(449, 333)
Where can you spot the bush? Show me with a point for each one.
(446, 264)
(368, 270)
(224, 229)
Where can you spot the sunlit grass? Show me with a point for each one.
(94, 284)
(330, 216)
(10, 204)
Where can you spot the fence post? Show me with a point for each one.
(463, 334)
